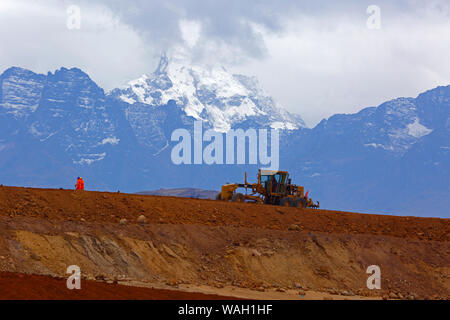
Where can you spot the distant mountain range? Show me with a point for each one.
(183, 192)
(393, 158)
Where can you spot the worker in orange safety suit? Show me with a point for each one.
(80, 184)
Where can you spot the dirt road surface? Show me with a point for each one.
(19, 286)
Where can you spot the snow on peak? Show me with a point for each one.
(210, 94)
(400, 128)
(417, 130)
(21, 91)
(111, 140)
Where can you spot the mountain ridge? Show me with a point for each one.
(213, 95)
(61, 125)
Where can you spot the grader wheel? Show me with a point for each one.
(219, 196)
(285, 202)
(299, 203)
(238, 197)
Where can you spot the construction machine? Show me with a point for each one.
(273, 187)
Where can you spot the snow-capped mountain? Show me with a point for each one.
(393, 158)
(66, 124)
(221, 99)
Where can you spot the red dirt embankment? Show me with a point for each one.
(18, 286)
(214, 245)
(69, 205)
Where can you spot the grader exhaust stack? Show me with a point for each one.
(273, 187)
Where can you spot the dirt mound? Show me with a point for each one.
(18, 286)
(217, 245)
(69, 205)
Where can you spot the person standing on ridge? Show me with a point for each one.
(80, 184)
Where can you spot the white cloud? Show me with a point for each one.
(316, 59)
(320, 67)
(190, 31)
(34, 35)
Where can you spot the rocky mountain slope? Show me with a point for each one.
(390, 158)
(393, 158)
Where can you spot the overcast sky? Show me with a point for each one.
(316, 58)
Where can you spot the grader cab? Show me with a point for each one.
(273, 187)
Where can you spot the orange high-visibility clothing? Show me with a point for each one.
(80, 184)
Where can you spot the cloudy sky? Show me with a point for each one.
(316, 58)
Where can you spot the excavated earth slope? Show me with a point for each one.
(229, 249)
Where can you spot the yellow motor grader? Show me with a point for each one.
(273, 187)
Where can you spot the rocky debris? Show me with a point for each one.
(123, 278)
(142, 219)
(172, 283)
(322, 272)
(301, 293)
(268, 253)
(297, 285)
(393, 295)
(218, 285)
(294, 227)
(100, 277)
(170, 252)
(123, 221)
(333, 291)
(345, 293)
